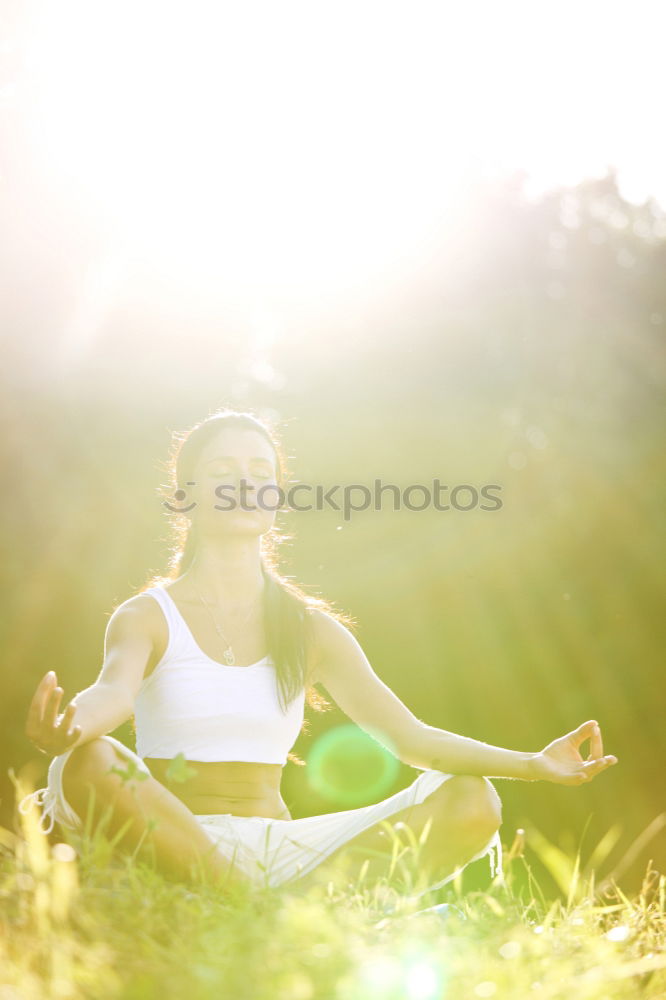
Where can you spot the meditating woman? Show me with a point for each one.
(215, 662)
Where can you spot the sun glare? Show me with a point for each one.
(304, 145)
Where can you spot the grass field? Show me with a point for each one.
(80, 919)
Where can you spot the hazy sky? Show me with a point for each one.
(297, 130)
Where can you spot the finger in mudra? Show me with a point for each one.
(562, 762)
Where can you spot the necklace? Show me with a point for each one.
(228, 654)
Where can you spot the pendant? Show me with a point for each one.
(229, 658)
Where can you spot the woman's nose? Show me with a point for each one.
(249, 485)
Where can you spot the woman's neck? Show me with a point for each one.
(228, 571)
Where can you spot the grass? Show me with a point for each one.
(80, 920)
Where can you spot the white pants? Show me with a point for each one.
(269, 851)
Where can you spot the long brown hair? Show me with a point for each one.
(287, 607)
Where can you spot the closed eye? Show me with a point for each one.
(227, 471)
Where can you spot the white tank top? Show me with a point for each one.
(209, 711)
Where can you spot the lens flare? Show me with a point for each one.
(348, 766)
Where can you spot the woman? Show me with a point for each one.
(216, 661)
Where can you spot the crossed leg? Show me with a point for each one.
(464, 813)
(177, 843)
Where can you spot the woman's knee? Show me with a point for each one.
(475, 801)
(87, 762)
(91, 756)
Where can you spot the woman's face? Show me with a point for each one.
(233, 456)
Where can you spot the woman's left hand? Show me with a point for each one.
(562, 763)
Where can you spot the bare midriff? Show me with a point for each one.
(241, 788)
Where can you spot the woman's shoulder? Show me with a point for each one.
(328, 622)
(143, 611)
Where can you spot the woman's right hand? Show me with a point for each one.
(49, 732)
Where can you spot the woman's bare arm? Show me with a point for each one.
(347, 675)
(105, 704)
(560, 762)
(444, 751)
(344, 670)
